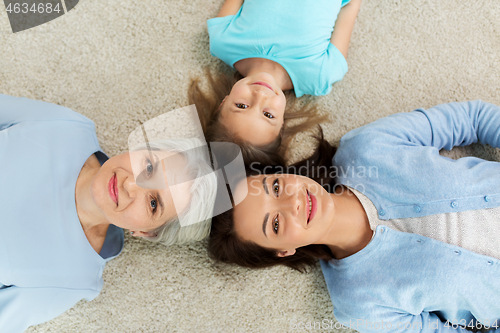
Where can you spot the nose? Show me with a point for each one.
(292, 204)
(130, 186)
(259, 94)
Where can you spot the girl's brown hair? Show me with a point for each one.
(208, 107)
(224, 245)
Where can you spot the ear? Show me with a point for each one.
(142, 233)
(286, 253)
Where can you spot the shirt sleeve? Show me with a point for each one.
(333, 69)
(14, 110)
(24, 307)
(461, 124)
(443, 126)
(218, 23)
(216, 28)
(410, 177)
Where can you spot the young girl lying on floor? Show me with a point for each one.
(408, 239)
(276, 46)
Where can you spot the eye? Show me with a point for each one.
(241, 106)
(149, 168)
(154, 204)
(268, 115)
(276, 187)
(275, 224)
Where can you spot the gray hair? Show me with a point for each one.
(203, 193)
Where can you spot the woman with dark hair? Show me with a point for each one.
(64, 205)
(408, 239)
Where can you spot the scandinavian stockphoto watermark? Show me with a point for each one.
(381, 325)
(27, 14)
(353, 176)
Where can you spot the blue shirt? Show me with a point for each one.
(403, 282)
(46, 261)
(395, 161)
(400, 277)
(294, 33)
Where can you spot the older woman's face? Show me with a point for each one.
(142, 208)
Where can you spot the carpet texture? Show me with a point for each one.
(121, 62)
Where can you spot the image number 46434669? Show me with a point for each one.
(26, 14)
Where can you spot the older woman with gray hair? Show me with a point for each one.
(64, 205)
(195, 210)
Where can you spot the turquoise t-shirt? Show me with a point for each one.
(294, 33)
(46, 262)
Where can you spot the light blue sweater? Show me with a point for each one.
(46, 261)
(405, 279)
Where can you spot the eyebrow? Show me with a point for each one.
(264, 184)
(264, 224)
(160, 201)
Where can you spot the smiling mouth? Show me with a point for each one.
(113, 189)
(312, 205)
(264, 84)
(309, 206)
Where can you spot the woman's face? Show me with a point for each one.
(284, 212)
(139, 208)
(254, 109)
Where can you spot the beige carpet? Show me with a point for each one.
(120, 62)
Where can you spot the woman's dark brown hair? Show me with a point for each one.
(208, 107)
(224, 245)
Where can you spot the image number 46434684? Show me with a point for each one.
(26, 14)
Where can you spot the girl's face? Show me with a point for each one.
(254, 109)
(129, 206)
(284, 212)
